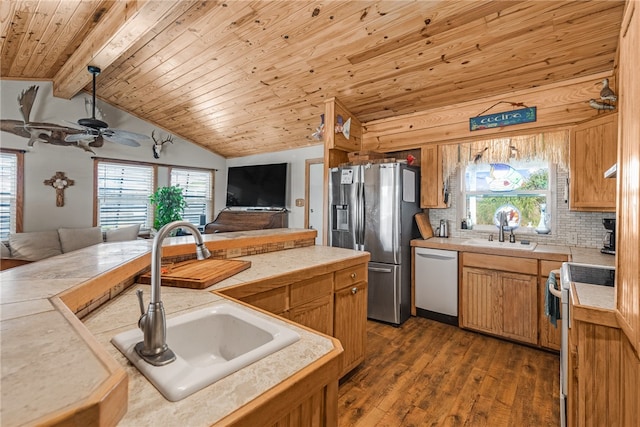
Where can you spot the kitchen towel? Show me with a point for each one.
(551, 302)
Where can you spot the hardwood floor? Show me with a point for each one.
(426, 373)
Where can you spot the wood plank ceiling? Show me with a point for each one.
(248, 77)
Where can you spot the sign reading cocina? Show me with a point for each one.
(507, 118)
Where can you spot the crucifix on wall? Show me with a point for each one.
(60, 182)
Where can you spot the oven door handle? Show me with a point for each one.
(556, 293)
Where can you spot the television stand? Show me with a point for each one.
(241, 220)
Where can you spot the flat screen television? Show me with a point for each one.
(257, 186)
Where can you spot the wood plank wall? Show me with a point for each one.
(559, 105)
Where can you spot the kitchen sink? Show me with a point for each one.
(500, 245)
(209, 344)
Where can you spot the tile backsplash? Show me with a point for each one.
(583, 229)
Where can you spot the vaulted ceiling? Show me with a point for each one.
(248, 77)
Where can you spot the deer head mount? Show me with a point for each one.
(158, 145)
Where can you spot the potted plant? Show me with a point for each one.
(169, 203)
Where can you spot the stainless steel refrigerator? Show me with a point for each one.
(371, 209)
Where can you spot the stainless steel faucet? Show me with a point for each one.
(502, 219)
(154, 348)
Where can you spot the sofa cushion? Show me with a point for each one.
(122, 234)
(35, 245)
(72, 239)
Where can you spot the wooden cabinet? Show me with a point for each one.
(274, 300)
(549, 335)
(350, 324)
(594, 375)
(431, 180)
(350, 314)
(518, 306)
(502, 299)
(311, 303)
(629, 391)
(593, 151)
(334, 303)
(479, 297)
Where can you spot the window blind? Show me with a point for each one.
(8, 193)
(196, 187)
(123, 194)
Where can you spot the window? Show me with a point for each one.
(521, 189)
(11, 173)
(197, 187)
(123, 191)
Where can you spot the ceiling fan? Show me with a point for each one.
(94, 128)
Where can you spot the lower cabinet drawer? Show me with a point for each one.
(350, 276)
(501, 263)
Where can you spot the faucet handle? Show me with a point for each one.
(140, 301)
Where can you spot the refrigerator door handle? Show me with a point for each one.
(357, 221)
(361, 213)
(380, 270)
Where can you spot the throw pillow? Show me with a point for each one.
(72, 239)
(123, 234)
(4, 251)
(35, 245)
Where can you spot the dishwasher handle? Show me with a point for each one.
(434, 256)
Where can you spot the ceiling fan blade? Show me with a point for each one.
(79, 137)
(125, 134)
(121, 140)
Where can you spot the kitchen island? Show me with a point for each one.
(57, 369)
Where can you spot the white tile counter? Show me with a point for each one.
(53, 363)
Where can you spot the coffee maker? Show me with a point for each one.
(609, 240)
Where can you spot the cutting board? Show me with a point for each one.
(194, 274)
(424, 225)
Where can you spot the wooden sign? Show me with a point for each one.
(507, 118)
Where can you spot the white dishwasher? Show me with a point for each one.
(436, 283)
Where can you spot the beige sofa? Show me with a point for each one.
(23, 248)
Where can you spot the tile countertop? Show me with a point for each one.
(229, 393)
(548, 252)
(42, 344)
(585, 296)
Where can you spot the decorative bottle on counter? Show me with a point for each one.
(542, 227)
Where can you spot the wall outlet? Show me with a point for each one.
(573, 238)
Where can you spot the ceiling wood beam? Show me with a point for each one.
(124, 24)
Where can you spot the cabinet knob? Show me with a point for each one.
(353, 275)
(354, 290)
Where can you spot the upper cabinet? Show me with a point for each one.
(431, 181)
(593, 151)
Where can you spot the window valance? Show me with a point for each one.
(549, 146)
